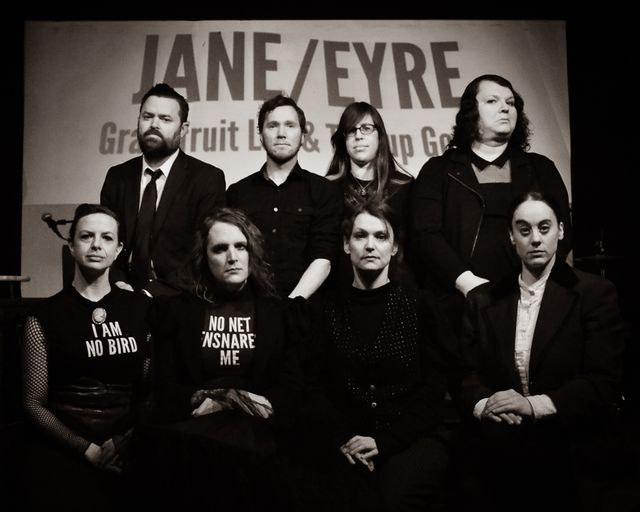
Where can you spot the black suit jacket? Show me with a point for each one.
(193, 189)
(179, 370)
(576, 353)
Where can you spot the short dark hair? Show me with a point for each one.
(85, 209)
(281, 101)
(163, 90)
(465, 132)
(260, 274)
(533, 195)
(378, 209)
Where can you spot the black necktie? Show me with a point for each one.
(140, 262)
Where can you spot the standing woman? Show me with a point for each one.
(84, 359)
(382, 374)
(365, 169)
(460, 199)
(542, 378)
(227, 377)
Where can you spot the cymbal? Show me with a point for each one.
(600, 257)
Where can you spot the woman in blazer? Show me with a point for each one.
(541, 377)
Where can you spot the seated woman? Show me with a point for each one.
(226, 376)
(382, 376)
(84, 361)
(542, 377)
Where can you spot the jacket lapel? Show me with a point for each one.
(177, 175)
(557, 302)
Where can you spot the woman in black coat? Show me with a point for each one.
(460, 200)
(541, 383)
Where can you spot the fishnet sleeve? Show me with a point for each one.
(35, 385)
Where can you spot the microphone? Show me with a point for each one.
(52, 223)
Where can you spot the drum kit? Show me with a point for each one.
(600, 259)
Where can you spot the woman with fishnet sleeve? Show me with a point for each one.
(85, 359)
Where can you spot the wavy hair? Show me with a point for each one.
(384, 163)
(204, 285)
(466, 132)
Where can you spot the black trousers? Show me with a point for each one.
(415, 479)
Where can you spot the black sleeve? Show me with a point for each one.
(325, 228)
(427, 223)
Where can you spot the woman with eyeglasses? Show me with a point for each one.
(365, 169)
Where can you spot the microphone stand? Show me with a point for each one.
(53, 224)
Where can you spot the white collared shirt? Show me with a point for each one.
(526, 320)
(528, 309)
(161, 181)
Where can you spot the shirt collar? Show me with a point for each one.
(165, 167)
(296, 173)
(481, 163)
(537, 288)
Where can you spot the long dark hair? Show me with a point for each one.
(465, 132)
(384, 163)
(260, 274)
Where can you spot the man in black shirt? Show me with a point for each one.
(297, 211)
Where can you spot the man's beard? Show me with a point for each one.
(156, 149)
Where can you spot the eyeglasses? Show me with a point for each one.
(365, 129)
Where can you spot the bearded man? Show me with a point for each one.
(160, 198)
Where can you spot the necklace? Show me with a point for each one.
(363, 189)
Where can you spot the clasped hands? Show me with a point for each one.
(108, 455)
(208, 401)
(506, 406)
(361, 449)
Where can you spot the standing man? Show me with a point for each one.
(160, 197)
(297, 211)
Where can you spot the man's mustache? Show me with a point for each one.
(153, 131)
